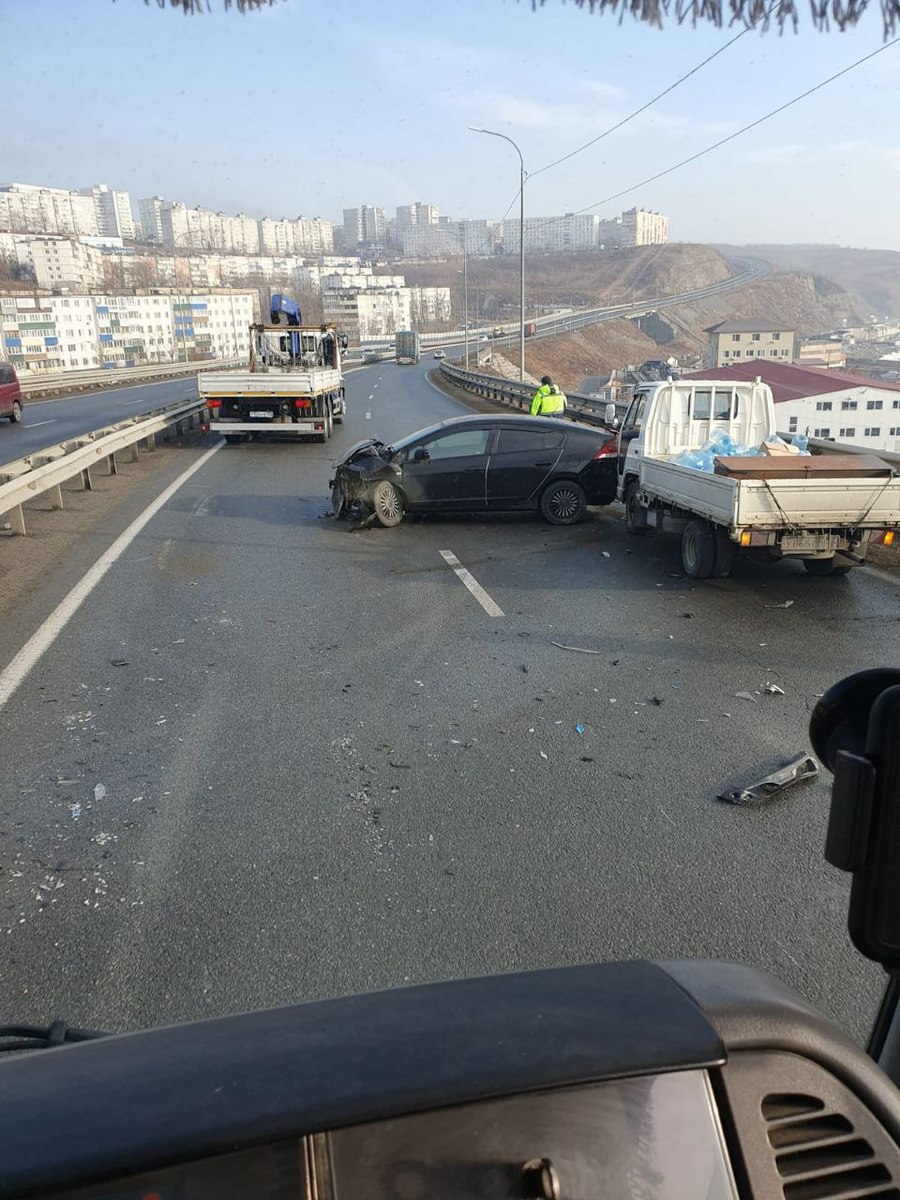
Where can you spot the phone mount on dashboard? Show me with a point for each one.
(855, 731)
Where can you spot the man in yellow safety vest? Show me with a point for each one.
(548, 400)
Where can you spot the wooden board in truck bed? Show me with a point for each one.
(802, 466)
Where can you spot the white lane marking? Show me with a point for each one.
(37, 424)
(371, 397)
(40, 642)
(368, 416)
(468, 580)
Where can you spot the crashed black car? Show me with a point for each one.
(480, 464)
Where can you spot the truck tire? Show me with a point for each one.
(563, 502)
(725, 554)
(698, 550)
(326, 433)
(387, 504)
(635, 513)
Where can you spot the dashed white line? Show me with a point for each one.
(37, 424)
(468, 580)
(46, 634)
(368, 416)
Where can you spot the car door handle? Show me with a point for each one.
(469, 470)
(545, 462)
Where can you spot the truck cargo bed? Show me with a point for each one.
(297, 382)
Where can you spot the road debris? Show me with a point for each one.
(579, 729)
(577, 649)
(795, 771)
(75, 811)
(606, 554)
(655, 700)
(543, 755)
(119, 662)
(745, 696)
(772, 689)
(99, 791)
(786, 604)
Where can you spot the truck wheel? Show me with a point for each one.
(563, 502)
(698, 550)
(387, 504)
(725, 554)
(635, 513)
(326, 433)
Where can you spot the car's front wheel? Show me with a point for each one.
(16, 414)
(387, 504)
(563, 502)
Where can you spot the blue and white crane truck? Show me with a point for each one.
(293, 388)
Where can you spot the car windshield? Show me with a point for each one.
(276, 726)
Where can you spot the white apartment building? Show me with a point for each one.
(113, 210)
(372, 312)
(643, 228)
(150, 211)
(428, 241)
(417, 214)
(572, 231)
(60, 262)
(364, 225)
(429, 306)
(27, 208)
(63, 333)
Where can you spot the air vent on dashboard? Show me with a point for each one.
(818, 1153)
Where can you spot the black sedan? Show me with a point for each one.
(481, 464)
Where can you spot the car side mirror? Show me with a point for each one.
(610, 413)
(421, 455)
(628, 435)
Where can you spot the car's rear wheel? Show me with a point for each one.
(698, 550)
(387, 504)
(16, 414)
(635, 513)
(563, 502)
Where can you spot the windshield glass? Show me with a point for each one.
(274, 730)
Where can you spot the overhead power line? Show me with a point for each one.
(637, 112)
(745, 129)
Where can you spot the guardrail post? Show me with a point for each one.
(112, 464)
(56, 497)
(135, 457)
(151, 441)
(17, 520)
(86, 481)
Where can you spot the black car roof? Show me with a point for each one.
(521, 419)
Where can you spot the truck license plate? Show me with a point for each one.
(809, 541)
(266, 415)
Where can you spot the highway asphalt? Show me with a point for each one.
(47, 422)
(270, 759)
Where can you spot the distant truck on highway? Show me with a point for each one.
(407, 346)
(826, 510)
(294, 386)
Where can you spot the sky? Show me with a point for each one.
(308, 108)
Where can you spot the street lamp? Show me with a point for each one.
(493, 133)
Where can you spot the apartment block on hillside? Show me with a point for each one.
(737, 340)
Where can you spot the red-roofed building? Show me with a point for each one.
(840, 405)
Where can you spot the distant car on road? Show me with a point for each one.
(10, 393)
(478, 464)
(439, 354)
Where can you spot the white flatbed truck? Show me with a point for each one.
(294, 386)
(826, 509)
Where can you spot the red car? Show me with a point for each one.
(10, 393)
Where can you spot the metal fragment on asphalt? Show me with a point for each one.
(795, 771)
(786, 604)
(99, 791)
(772, 689)
(745, 696)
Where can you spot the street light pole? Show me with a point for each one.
(493, 133)
(466, 296)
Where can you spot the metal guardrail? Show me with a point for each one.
(520, 395)
(76, 381)
(46, 470)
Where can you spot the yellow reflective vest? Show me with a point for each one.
(548, 400)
